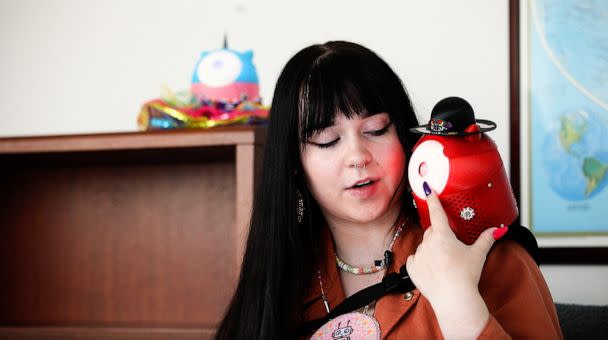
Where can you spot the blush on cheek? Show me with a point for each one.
(397, 160)
(396, 169)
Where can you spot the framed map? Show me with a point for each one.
(559, 123)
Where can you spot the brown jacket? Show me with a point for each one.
(511, 284)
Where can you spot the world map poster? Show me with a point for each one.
(568, 79)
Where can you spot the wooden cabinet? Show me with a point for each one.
(123, 236)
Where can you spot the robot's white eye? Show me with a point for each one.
(423, 169)
(428, 164)
(219, 68)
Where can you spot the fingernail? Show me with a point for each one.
(500, 232)
(427, 189)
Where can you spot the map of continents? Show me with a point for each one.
(569, 114)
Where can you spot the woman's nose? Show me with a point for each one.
(357, 154)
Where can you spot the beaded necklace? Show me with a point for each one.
(359, 324)
(378, 264)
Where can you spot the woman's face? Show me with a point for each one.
(353, 168)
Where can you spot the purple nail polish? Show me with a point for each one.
(427, 189)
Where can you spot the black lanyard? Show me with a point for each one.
(391, 283)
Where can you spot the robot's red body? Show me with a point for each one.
(469, 177)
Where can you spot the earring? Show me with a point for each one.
(300, 207)
(413, 199)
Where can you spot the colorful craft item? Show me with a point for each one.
(224, 91)
(159, 114)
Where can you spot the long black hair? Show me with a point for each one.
(281, 253)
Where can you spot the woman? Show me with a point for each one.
(333, 199)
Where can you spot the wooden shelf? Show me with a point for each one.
(165, 139)
(124, 235)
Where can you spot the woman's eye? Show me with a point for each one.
(381, 131)
(325, 145)
(324, 138)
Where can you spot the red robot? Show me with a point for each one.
(462, 165)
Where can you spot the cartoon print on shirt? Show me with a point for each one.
(343, 333)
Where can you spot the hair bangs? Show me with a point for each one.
(332, 87)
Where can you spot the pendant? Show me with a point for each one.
(350, 326)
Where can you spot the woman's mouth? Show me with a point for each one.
(363, 189)
(362, 184)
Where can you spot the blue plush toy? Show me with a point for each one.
(226, 75)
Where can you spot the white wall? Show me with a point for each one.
(85, 66)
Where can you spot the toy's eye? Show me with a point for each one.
(423, 169)
(428, 164)
(219, 68)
